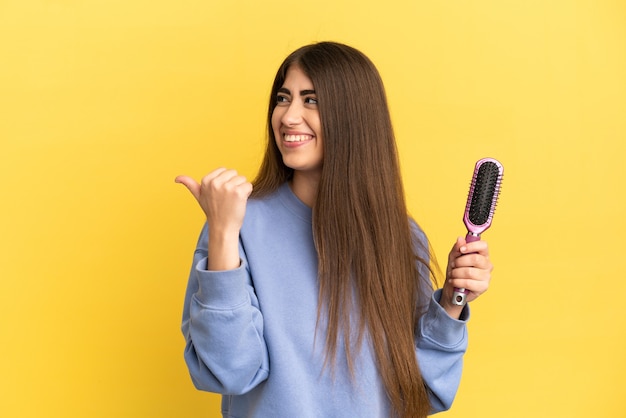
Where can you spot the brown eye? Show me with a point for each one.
(311, 100)
(281, 98)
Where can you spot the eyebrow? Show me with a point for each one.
(302, 92)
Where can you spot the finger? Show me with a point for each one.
(220, 178)
(215, 174)
(457, 248)
(470, 273)
(238, 180)
(472, 279)
(192, 185)
(475, 286)
(473, 260)
(480, 247)
(242, 184)
(247, 189)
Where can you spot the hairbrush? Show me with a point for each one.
(481, 203)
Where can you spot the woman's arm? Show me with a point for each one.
(441, 344)
(222, 323)
(223, 327)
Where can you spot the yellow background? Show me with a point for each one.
(104, 102)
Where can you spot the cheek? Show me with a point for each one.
(277, 137)
(316, 124)
(276, 116)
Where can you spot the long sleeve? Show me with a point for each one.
(441, 344)
(223, 328)
(441, 341)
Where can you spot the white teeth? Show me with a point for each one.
(296, 138)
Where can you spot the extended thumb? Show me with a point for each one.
(190, 183)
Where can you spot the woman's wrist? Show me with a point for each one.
(223, 251)
(454, 311)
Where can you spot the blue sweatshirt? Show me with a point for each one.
(252, 333)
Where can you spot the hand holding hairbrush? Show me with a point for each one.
(481, 203)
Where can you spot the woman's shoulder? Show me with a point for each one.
(421, 245)
(279, 202)
(416, 231)
(266, 199)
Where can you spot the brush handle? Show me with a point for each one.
(459, 297)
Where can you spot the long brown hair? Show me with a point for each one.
(368, 261)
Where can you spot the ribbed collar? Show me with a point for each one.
(294, 204)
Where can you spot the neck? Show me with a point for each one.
(304, 186)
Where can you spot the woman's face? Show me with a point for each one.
(296, 123)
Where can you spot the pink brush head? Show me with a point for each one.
(483, 195)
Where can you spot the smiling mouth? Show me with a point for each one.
(297, 138)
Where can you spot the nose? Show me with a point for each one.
(292, 115)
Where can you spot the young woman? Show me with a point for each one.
(310, 293)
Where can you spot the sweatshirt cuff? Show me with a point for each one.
(221, 289)
(440, 327)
